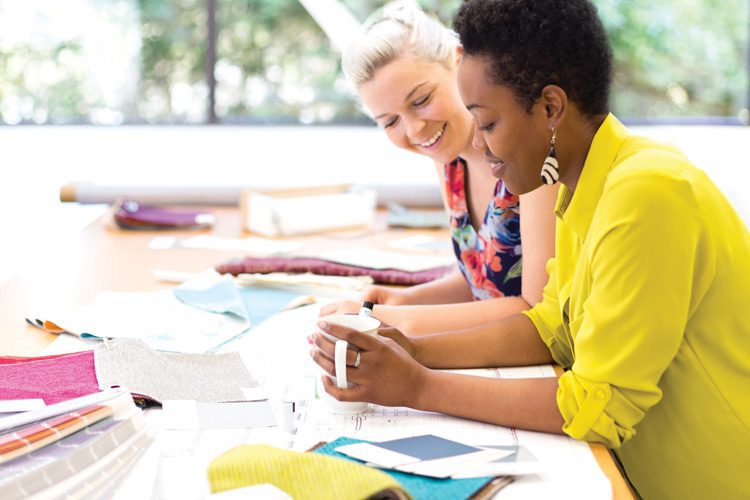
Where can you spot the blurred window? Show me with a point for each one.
(114, 62)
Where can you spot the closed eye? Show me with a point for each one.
(422, 100)
(390, 122)
(487, 128)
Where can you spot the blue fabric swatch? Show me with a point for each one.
(262, 302)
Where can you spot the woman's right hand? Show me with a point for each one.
(387, 295)
(379, 295)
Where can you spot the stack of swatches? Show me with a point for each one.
(75, 448)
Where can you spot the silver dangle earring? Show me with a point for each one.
(550, 170)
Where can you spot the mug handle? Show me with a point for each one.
(339, 358)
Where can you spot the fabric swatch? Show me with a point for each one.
(51, 378)
(301, 475)
(326, 267)
(418, 486)
(164, 375)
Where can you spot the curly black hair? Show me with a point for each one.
(534, 43)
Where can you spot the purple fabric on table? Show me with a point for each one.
(133, 215)
(326, 267)
(51, 378)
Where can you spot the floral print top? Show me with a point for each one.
(490, 260)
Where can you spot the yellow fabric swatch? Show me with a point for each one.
(301, 475)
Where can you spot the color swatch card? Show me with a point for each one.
(425, 455)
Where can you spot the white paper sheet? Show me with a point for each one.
(19, 405)
(516, 372)
(191, 414)
(159, 318)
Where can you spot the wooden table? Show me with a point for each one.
(103, 257)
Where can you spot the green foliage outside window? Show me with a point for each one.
(143, 61)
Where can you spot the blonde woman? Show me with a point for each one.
(403, 65)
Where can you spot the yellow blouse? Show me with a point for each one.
(648, 309)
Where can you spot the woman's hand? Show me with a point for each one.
(406, 343)
(387, 295)
(379, 295)
(387, 373)
(341, 307)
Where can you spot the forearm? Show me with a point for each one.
(446, 290)
(521, 403)
(512, 341)
(416, 320)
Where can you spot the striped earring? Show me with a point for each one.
(550, 173)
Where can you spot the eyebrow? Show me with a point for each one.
(408, 96)
(473, 106)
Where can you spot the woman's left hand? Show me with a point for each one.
(387, 374)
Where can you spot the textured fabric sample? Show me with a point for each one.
(329, 268)
(301, 475)
(51, 378)
(163, 375)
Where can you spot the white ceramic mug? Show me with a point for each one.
(364, 324)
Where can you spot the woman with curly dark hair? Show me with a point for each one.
(646, 304)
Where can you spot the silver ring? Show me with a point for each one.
(358, 360)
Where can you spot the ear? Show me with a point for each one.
(555, 103)
(459, 54)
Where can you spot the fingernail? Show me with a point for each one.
(322, 324)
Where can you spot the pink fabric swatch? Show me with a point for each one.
(51, 378)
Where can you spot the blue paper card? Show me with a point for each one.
(427, 447)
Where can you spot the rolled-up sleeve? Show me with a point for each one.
(547, 319)
(639, 278)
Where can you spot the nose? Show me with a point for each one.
(478, 140)
(414, 127)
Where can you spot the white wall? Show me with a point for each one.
(38, 160)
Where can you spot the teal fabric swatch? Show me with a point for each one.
(419, 487)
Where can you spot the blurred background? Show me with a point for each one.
(248, 92)
(114, 62)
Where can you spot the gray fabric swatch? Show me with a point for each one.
(164, 375)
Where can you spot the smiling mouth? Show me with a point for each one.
(494, 162)
(432, 140)
(497, 166)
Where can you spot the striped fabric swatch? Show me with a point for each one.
(32, 437)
